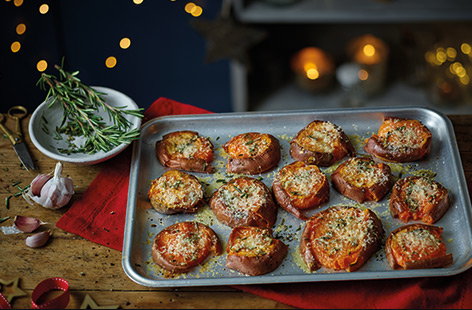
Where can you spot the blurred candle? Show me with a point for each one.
(313, 68)
(371, 53)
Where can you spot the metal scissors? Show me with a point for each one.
(17, 113)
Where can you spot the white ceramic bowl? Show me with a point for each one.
(49, 146)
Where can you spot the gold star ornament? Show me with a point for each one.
(13, 291)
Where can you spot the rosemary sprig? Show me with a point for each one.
(80, 104)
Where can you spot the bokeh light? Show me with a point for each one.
(44, 8)
(466, 48)
(18, 2)
(110, 62)
(20, 29)
(42, 65)
(138, 1)
(125, 43)
(363, 75)
(15, 46)
(189, 7)
(197, 11)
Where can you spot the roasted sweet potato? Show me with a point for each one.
(321, 143)
(176, 192)
(185, 150)
(253, 250)
(183, 246)
(340, 238)
(417, 246)
(244, 201)
(361, 179)
(300, 186)
(252, 153)
(400, 140)
(419, 198)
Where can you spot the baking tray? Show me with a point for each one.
(143, 222)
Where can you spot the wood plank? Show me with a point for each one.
(166, 300)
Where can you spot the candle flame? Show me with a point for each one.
(369, 50)
(312, 74)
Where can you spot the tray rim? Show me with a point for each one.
(313, 277)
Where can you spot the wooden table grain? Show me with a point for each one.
(96, 270)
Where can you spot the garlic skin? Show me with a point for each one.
(38, 240)
(55, 193)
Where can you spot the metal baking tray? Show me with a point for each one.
(143, 222)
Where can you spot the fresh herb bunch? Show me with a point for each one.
(80, 104)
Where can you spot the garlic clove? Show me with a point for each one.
(38, 183)
(27, 224)
(38, 240)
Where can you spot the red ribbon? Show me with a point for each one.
(4, 304)
(60, 302)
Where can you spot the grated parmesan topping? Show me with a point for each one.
(301, 181)
(254, 241)
(175, 190)
(420, 190)
(184, 246)
(417, 243)
(363, 173)
(242, 197)
(319, 137)
(249, 144)
(403, 136)
(347, 228)
(186, 145)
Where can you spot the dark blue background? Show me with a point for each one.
(166, 57)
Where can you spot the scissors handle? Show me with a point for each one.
(17, 113)
(14, 139)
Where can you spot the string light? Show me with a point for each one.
(125, 43)
(15, 46)
(110, 62)
(18, 2)
(42, 65)
(189, 7)
(196, 11)
(20, 29)
(43, 8)
(465, 79)
(466, 48)
(451, 53)
(138, 1)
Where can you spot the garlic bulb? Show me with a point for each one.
(51, 192)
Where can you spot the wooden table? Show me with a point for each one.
(96, 270)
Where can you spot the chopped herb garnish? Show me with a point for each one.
(7, 202)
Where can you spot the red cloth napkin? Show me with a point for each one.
(99, 215)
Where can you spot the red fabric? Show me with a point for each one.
(99, 216)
